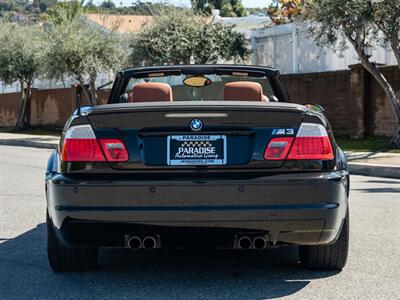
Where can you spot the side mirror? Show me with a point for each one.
(315, 107)
(273, 98)
(123, 98)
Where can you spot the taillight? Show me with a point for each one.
(114, 149)
(80, 145)
(278, 148)
(311, 143)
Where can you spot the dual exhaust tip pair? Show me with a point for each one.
(258, 243)
(147, 242)
(151, 242)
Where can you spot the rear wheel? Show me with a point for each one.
(330, 257)
(63, 259)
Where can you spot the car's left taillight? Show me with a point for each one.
(81, 145)
(311, 143)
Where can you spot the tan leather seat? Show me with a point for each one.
(244, 91)
(151, 92)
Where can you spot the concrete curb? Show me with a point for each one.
(24, 143)
(374, 170)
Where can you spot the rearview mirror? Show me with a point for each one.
(197, 81)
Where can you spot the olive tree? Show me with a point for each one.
(334, 22)
(21, 58)
(81, 50)
(386, 17)
(180, 37)
(228, 8)
(65, 11)
(284, 11)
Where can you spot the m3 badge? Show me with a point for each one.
(283, 131)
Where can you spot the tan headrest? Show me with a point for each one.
(244, 91)
(151, 92)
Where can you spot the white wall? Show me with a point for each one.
(51, 84)
(291, 49)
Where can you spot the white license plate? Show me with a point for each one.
(189, 150)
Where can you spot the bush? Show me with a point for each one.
(180, 37)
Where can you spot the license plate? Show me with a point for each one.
(187, 150)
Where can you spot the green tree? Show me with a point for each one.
(150, 9)
(180, 37)
(81, 50)
(33, 7)
(65, 12)
(228, 8)
(386, 16)
(108, 4)
(43, 5)
(5, 6)
(137, 8)
(90, 5)
(21, 57)
(337, 22)
(285, 11)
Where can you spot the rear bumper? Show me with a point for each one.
(302, 208)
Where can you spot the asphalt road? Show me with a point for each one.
(373, 270)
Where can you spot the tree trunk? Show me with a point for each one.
(86, 91)
(25, 96)
(63, 82)
(395, 45)
(396, 50)
(373, 69)
(93, 93)
(390, 95)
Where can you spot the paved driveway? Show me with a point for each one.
(373, 269)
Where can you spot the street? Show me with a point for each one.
(372, 272)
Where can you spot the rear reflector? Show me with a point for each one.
(80, 145)
(311, 143)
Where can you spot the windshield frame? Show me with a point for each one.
(272, 75)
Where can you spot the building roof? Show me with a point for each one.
(133, 23)
(120, 23)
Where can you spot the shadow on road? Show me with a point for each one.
(378, 190)
(386, 181)
(24, 273)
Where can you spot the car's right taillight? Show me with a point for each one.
(81, 145)
(311, 143)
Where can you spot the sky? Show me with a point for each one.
(246, 3)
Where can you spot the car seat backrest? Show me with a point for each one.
(151, 92)
(244, 91)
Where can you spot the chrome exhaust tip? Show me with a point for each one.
(259, 243)
(149, 242)
(244, 243)
(134, 243)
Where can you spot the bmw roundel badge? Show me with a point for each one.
(196, 124)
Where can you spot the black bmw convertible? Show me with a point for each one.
(197, 157)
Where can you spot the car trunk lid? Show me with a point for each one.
(236, 132)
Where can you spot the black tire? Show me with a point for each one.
(329, 257)
(64, 259)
